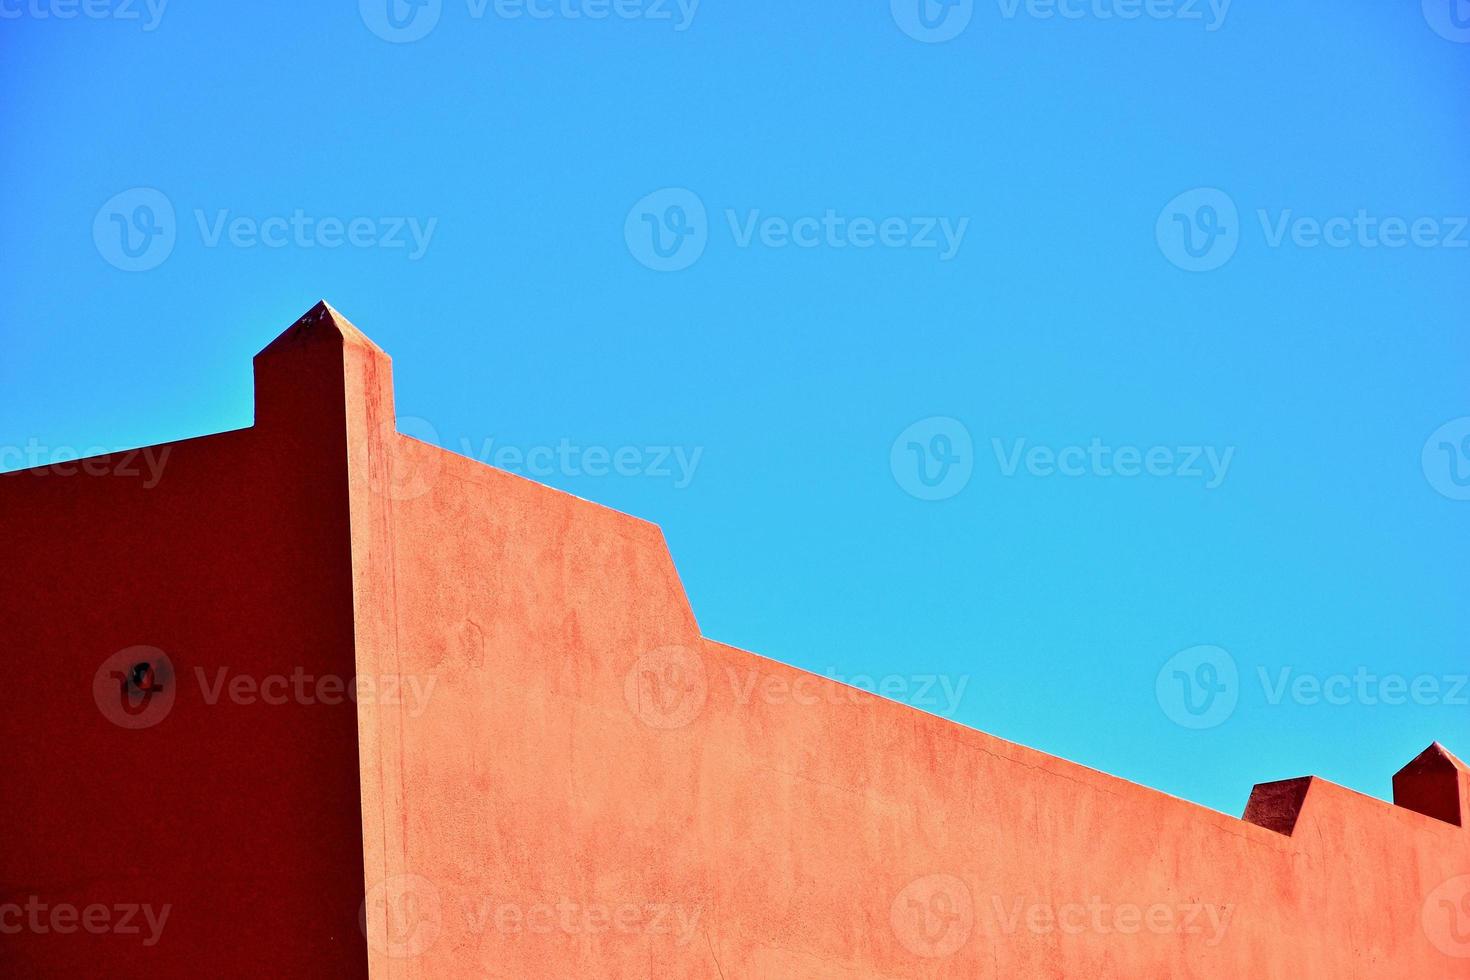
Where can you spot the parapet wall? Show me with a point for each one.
(588, 754)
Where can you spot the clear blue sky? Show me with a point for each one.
(1062, 310)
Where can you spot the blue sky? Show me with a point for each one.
(910, 310)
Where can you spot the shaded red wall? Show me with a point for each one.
(240, 819)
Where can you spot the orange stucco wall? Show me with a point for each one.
(582, 785)
(587, 755)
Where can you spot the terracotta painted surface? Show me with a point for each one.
(557, 776)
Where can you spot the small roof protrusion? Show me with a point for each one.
(1277, 806)
(1436, 784)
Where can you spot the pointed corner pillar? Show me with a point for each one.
(324, 390)
(322, 367)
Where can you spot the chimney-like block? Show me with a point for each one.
(1435, 784)
(1276, 806)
